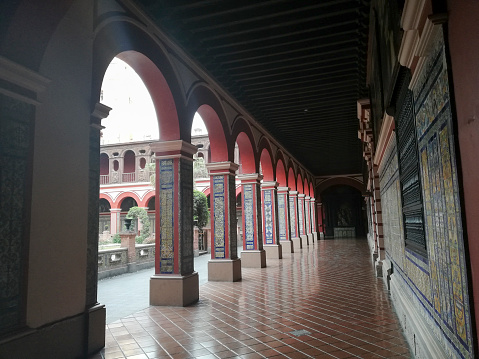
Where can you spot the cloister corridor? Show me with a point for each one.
(323, 301)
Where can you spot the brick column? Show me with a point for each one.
(283, 221)
(314, 224)
(115, 225)
(253, 254)
(175, 282)
(224, 264)
(302, 220)
(293, 220)
(269, 213)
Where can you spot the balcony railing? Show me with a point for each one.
(128, 177)
(104, 179)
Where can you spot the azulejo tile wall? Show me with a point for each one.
(219, 215)
(16, 126)
(185, 214)
(292, 216)
(268, 216)
(166, 178)
(248, 216)
(282, 217)
(300, 215)
(442, 210)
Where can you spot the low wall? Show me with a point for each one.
(113, 262)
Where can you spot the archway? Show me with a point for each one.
(343, 211)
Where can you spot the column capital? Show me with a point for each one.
(283, 189)
(221, 168)
(313, 199)
(293, 193)
(301, 195)
(100, 112)
(173, 149)
(269, 185)
(250, 178)
(307, 198)
(115, 210)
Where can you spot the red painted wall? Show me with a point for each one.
(463, 39)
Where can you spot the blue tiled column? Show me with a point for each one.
(253, 254)
(269, 213)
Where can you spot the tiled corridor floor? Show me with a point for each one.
(327, 293)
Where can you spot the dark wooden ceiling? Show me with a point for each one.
(297, 66)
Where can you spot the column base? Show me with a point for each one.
(304, 239)
(310, 238)
(378, 266)
(174, 290)
(297, 243)
(287, 246)
(224, 270)
(253, 259)
(273, 251)
(315, 236)
(96, 328)
(321, 235)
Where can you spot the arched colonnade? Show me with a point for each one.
(278, 204)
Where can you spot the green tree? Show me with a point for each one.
(201, 213)
(142, 215)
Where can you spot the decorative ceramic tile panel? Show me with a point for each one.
(219, 215)
(248, 216)
(307, 214)
(233, 240)
(185, 175)
(448, 282)
(301, 216)
(282, 217)
(166, 178)
(268, 216)
(16, 130)
(292, 216)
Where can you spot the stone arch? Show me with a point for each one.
(340, 181)
(117, 203)
(306, 186)
(281, 176)
(243, 136)
(266, 159)
(146, 198)
(300, 183)
(291, 178)
(311, 189)
(204, 101)
(150, 61)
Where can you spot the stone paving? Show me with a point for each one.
(321, 302)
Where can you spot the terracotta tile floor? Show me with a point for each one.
(323, 302)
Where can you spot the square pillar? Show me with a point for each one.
(314, 225)
(302, 220)
(224, 264)
(269, 213)
(253, 254)
(293, 220)
(284, 229)
(307, 216)
(175, 282)
(319, 218)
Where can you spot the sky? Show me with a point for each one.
(133, 116)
